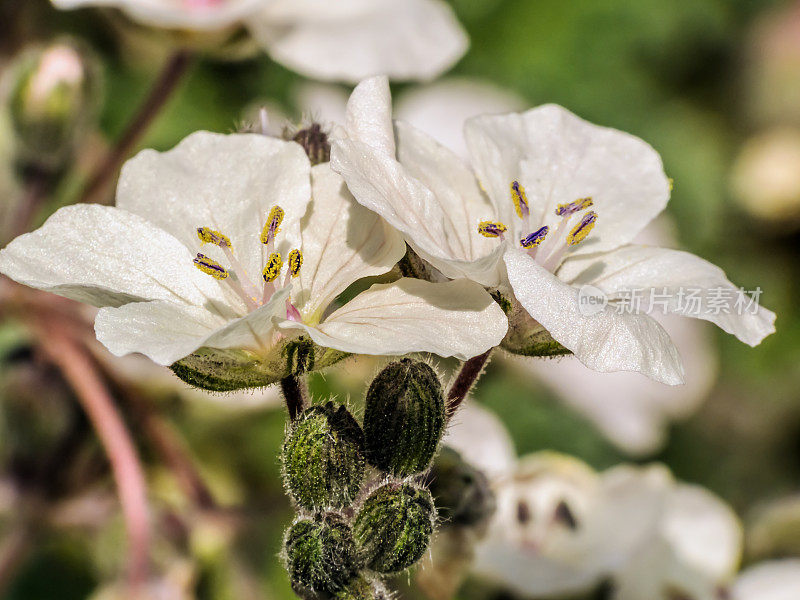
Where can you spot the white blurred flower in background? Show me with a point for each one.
(345, 40)
(766, 176)
(561, 528)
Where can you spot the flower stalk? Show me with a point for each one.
(82, 376)
(470, 371)
(171, 75)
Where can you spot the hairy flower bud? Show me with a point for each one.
(404, 418)
(314, 141)
(51, 100)
(322, 457)
(364, 588)
(320, 554)
(394, 526)
(462, 492)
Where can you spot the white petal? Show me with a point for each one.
(342, 242)
(165, 332)
(162, 331)
(226, 182)
(628, 408)
(440, 109)
(772, 580)
(412, 39)
(526, 549)
(437, 228)
(481, 439)
(675, 274)
(703, 531)
(106, 257)
(368, 116)
(629, 514)
(560, 158)
(176, 15)
(457, 318)
(604, 341)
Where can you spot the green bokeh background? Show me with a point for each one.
(669, 72)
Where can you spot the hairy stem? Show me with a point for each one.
(167, 82)
(81, 374)
(294, 393)
(466, 378)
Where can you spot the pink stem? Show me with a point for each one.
(91, 392)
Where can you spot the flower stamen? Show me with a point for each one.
(582, 229)
(272, 226)
(534, 239)
(273, 268)
(210, 236)
(210, 267)
(295, 262)
(563, 210)
(520, 199)
(492, 229)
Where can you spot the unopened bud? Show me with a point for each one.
(323, 459)
(320, 554)
(52, 98)
(315, 142)
(404, 418)
(394, 527)
(462, 492)
(364, 588)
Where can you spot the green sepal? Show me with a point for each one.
(394, 526)
(404, 418)
(323, 457)
(526, 336)
(219, 370)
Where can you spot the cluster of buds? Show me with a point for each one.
(363, 511)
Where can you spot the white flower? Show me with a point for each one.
(631, 410)
(235, 242)
(561, 528)
(439, 108)
(771, 580)
(541, 171)
(345, 40)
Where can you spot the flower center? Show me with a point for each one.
(545, 248)
(253, 294)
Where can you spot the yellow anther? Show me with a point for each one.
(491, 229)
(273, 268)
(582, 229)
(520, 199)
(210, 266)
(573, 207)
(295, 262)
(272, 226)
(210, 236)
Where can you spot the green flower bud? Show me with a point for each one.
(227, 370)
(394, 527)
(364, 588)
(320, 554)
(526, 336)
(323, 459)
(462, 492)
(52, 99)
(404, 418)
